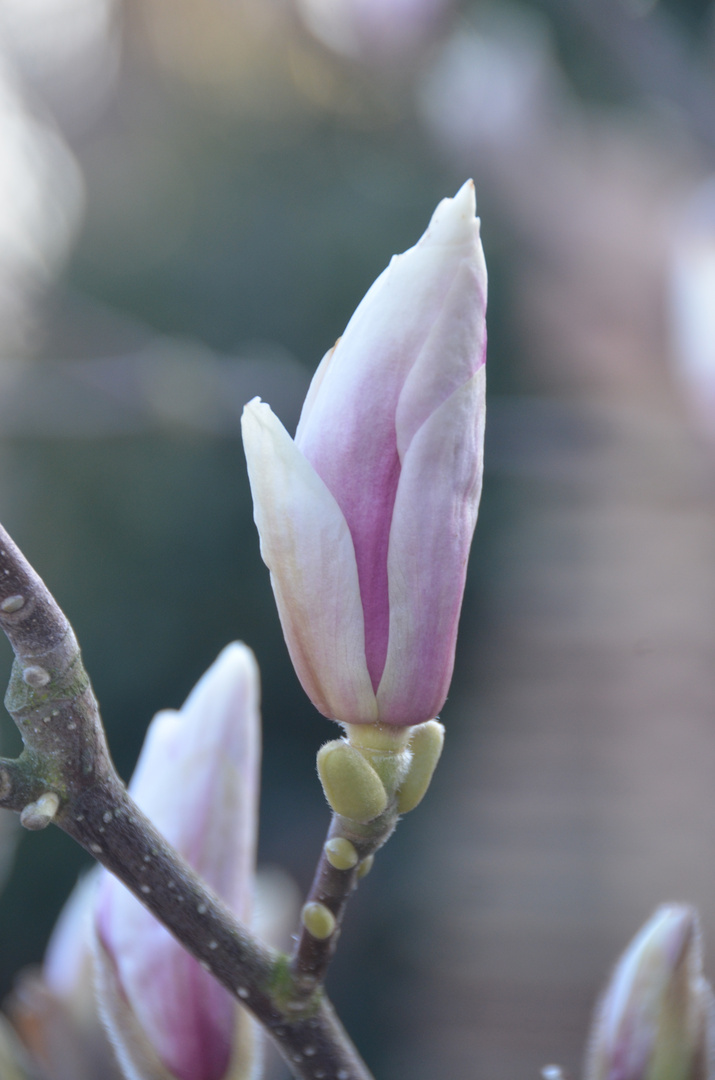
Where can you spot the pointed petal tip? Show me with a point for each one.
(673, 928)
(466, 199)
(237, 657)
(231, 683)
(454, 220)
(257, 421)
(251, 407)
(234, 668)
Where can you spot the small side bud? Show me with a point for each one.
(11, 604)
(365, 866)
(340, 853)
(36, 676)
(426, 747)
(38, 815)
(351, 785)
(318, 920)
(655, 1020)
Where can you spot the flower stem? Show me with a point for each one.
(331, 889)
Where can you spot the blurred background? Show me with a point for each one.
(194, 195)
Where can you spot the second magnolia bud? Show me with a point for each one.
(197, 780)
(655, 1020)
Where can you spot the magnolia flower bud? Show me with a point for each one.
(366, 519)
(197, 779)
(655, 1020)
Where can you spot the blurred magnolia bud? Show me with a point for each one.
(655, 1019)
(15, 1064)
(492, 87)
(54, 1008)
(276, 907)
(377, 30)
(692, 305)
(197, 780)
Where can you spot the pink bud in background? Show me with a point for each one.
(655, 1020)
(378, 30)
(366, 519)
(691, 308)
(197, 780)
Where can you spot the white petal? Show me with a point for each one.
(453, 219)
(306, 544)
(197, 776)
(315, 384)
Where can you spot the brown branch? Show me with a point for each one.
(65, 775)
(331, 888)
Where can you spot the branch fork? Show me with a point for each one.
(65, 776)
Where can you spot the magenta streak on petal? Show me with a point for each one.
(348, 433)
(205, 1013)
(188, 1012)
(630, 1058)
(363, 477)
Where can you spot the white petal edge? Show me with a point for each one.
(306, 544)
(315, 383)
(455, 348)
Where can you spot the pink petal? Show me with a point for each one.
(187, 1016)
(434, 519)
(348, 433)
